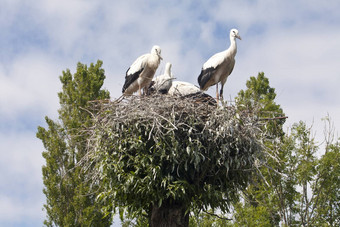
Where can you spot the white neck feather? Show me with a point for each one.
(168, 70)
(233, 47)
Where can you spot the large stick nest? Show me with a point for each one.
(163, 147)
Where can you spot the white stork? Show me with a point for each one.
(161, 84)
(219, 66)
(188, 90)
(141, 72)
(182, 88)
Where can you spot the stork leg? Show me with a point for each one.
(139, 91)
(221, 92)
(217, 96)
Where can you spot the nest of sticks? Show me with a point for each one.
(162, 140)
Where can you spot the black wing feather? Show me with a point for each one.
(205, 76)
(129, 79)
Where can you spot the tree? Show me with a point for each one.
(259, 198)
(259, 98)
(313, 195)
(324, 201)
(326, 196)
(70, 197)
(163, 156)
(296, 187)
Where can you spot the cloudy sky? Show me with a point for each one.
(296, 43)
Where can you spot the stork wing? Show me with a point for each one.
(205, 76)
(134, 71)
(137, 65)
(209, 68)
(129, 79)
(182, 88)
(231, 66)
(214, 60)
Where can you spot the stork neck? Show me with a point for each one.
(233, 46)
(155, 59)
(167, 71)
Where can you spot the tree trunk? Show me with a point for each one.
(169, 215)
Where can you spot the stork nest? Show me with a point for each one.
(157, 147)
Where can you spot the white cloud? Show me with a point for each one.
(301, 64)
(21, 179)
(29, 84)
(67, 23)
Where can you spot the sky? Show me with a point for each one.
(295, 43)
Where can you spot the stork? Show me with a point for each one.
(141, 72)
(161, 84)
(188, 90)
(182, 88)
(219, 66)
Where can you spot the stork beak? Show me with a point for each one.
(239, 37)
(160, 56)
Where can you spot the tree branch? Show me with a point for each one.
(223, 218)
(273, 118)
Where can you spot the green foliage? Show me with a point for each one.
(327, 203)
(140, 154)
(296, 187)
(312, 195)
(252, 216)
(209, 219)
(165, 150)
(325, 200)
(259, 97)
(259, 197)
(70, 201)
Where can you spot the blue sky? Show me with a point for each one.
(296, 43)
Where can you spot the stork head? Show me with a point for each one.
(156, 50)
(234, 34)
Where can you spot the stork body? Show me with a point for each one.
(219, 66)
(141, 72)
(188, 90)
(182, 88)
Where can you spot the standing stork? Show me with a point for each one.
(219, 66)
(141, 72)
